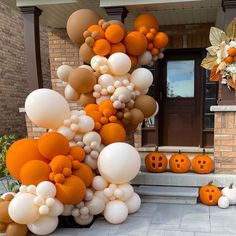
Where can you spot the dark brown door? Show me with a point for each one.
(180, 97)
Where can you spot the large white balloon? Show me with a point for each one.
(119, 63)
(47, 108)
(133, 203)
(46, 189)
(116, 212)
(119, 163)
(63, 72)
(142, 78)
(22, 209)
(44, 225)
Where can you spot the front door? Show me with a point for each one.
(180, 98)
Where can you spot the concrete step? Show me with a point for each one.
(185, 180)
(160, 194)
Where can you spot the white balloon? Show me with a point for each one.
(47, 108)
(67, 210)
(63, 72)
(91, 162)
(133, 203)
(124, 93)
(88, 195)
(67, 132)
(86, 124)
(22, 209)
(95, 206)
(46, 189)
(70, 93)
(119, 63)
(44, 225)
(102, 98)
(106, 80)
(119, 163)
(145, 58)
(157, 109)
(142, 78)
(79, 220)
(127, 190)
(101, 195)
(116, 212)
(91, 137)
(43, 210)
(99, 183)
(57, 208)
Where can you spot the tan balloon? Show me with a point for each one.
(146, 104)
(130, 128)
(82, 80)
(4, 216)
(87, 98)
(78, 22)
(137, 116)
(86, 53)
(14, 229)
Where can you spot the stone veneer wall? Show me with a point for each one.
(13, 72)
(225, 139)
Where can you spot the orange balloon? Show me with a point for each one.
(91, 107)
(77, 152)
(59, 163)
(52, 144)
(136, 43)
(160, 40)
(111, 133)
(85, 173)
(72, 191)
(97, 28)
(146, 20)
(134, 60)
(34, 172)
(95, 115)
(102, 47)
(106, 107)
(19, 153)
(119, 47)
(114, 33)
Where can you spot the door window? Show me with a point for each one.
(180, 79)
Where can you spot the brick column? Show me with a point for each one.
(116, 13)
(225, 139)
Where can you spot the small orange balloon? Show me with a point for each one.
(114, 33)
(85, 173)
(134, 60)
(155, 51)
(52, 144)
(78, 153)
(96, 28)
(102, 47)
(160, 40)
(112, 132)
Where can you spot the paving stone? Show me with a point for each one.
(197, 212)
(163, 226)
(195, 226)
(168, 214)
(216, 211)
(213, 234)
(224, 229)
(154, 232)
(177, 233)
(146, 210)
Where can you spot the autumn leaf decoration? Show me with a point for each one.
(221, 59)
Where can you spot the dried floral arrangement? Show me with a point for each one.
(222, 55)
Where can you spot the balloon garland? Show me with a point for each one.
(82, 166)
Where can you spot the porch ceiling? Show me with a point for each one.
(169, 12)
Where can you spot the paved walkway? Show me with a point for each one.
(166, 220)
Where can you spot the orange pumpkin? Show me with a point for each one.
(179, 163)
(156, 162)
(202, 164)
(209, 194)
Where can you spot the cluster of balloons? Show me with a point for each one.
(82, 165)
(96, 36)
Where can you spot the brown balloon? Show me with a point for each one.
(146, 104)
(86, 53)
(137, 116)
(78, 22)
(4, 216)
(87, 98)
(3, 227)
(14, 229)
(82, 80)
(130, 128)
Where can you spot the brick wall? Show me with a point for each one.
(225, 142)
(13, 73)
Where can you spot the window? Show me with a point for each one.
(180, 79)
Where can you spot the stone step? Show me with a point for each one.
(185, 180)
(160, 194)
